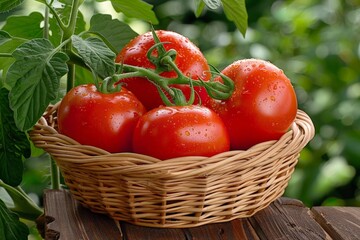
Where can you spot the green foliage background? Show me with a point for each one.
(317, 44)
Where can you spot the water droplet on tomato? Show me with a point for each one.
(187, 133)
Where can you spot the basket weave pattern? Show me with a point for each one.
(177, 193)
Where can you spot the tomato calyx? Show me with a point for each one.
(164, 60)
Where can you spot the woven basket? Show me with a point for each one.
(176, 193)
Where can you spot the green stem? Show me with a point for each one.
(70, 28)
(70, 77)
(156, 78)
(55, 14)
(46, 23)
(55, 175)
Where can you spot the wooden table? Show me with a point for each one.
(284, 219)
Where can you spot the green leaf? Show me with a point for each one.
(8, 47)
(10, 226)
(6, 5)
(27, 27)
(4, 37)
(96, 55)
(136, 9)
(34, 77)
(235, 10)
(19, 202)
(83, 76)
(113, 32)
(199, 7)
(13, 144)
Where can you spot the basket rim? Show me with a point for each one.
(300, 133)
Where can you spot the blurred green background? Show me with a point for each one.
(315, 42)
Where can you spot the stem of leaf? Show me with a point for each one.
(68, 32)
(55, 14)
(70, 28)
(55, 175)
(70, 77)
(46, 23)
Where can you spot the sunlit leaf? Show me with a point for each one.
(135, 9)
(35, 77)
(235, 10)
(199, 7)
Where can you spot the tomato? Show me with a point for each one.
(262, 107)
(98, 119)
(189, 60)
(177, 131)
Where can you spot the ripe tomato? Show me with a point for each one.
(176, 131)
(262, 107)
(189, 60)
(103, 120)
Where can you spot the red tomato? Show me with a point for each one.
(177, 131)
(262, 107)
(189, 60)
(102, 120)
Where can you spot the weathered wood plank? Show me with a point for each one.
(283, 219)
(72, 221)
(341, 223)
(134, 232)
(287, 219)
(236, 229)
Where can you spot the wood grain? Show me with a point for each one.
(74, 222)
(285, 218)
(340, 222)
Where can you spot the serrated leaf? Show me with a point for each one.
(7, 5)
(96, 55)
(35, 77)
(8, 47)
(10, 226)
(235, 10)
(27, 27)
(13, 144)
(136, 9)
(116, 33)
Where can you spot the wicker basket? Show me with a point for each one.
(176, 193)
